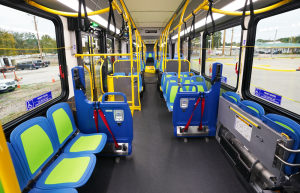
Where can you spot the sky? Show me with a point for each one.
(18, 21)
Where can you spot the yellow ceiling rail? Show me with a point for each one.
(204, 3)
(248, 12)
(67, 14)
(8, 177)
(178, 42)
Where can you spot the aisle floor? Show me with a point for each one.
(161, 162)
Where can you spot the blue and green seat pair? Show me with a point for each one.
(52, 152)
(279, 123)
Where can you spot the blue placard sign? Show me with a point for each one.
(224, 79)
(38, 100)
(274, 98)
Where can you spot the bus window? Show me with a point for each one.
(195, 54)
(276, 57)
(28, 45)
(224, 47)
(117, 47)
(87, 63)
(185, 49)
(110, 49)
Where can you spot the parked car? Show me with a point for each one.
(41, 63)
(268, 52)
(7, 85)
(261, 52)
(277, 52)
(27, 64)
(218, 52)
(256, 53)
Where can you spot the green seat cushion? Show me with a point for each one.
(285, 126)
(185, 75)
(187, 82)
(233, 98)
(168, 85)
(86, 143)
(37, 147)
(173, 93)
(200, 88)
(171, 107)
(68, 170)
(63, 124)
(253, 109)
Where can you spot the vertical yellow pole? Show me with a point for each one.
(178, 41)
(8, 176)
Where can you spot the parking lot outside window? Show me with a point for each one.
(224, 47)
(185, 49)
(28, 63)
(195, 54)
(274, 78)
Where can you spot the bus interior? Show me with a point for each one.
(149, 96)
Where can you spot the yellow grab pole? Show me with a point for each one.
(67, 14)
(8, 177)
(178, 41)
(101, 76)
(91, 82)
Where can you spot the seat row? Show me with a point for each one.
(169, 85)
(51, 155)
(279, 123)
(129, 74)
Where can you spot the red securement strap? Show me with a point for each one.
(188, 123)
(202, 111)
(107, 126)
(96, 119)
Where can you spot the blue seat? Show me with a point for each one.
(187, 74)
(164, 79)
(140, 80)
(172, 79)
(23, 180)
(61, 119)
(252, 108)
(232, 97)
(176, 56)
(200, 82)
(289, 127)
(171, 94)
(35, 145)
(119, 74)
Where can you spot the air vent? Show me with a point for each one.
(150, 31)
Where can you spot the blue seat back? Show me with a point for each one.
(119, 74)
(200, 82)
(165, 77)
(292, 129)
(232, 97)
(62, 121)
(252, 108)
(187, 74)
(176, 56)
(180, 117)
(23, 181)
(140, 79)
(34, 144)
(168, 81)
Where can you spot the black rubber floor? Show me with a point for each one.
(163, 163)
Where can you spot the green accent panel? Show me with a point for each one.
(173, 93)
(37, 146)
(283, 125)
(252, 108)
(200, 88)
(171, 107)
(168, 85)
(86, 143)
(185, 75)
(149, 55)
(236, 99)
(68, 170)
(1, 187)
(187, 82)
(63, 124)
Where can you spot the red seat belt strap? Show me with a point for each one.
(202, 111)
(96, 119)
(188, 123)
(107, 126)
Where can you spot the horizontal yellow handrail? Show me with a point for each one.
(243, 117)
(67, 14)
(91, 82)
(248, 12)
(119, 54)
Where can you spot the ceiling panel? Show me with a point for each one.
(152, 5)
(143, 25)
(151, 17)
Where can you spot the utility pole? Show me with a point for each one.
(231, 42)
(37, 34)
(273, 44)
(223, 52)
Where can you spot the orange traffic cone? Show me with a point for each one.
(18, 85)
(53, 80)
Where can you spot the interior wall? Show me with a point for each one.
(123, 47)
(150, 47)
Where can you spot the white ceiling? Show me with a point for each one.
(152, 13)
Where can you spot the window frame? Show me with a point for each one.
(59, 32)
(248, 63)
(197, 34)
(223, 26)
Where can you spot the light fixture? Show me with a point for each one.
(73, 4)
